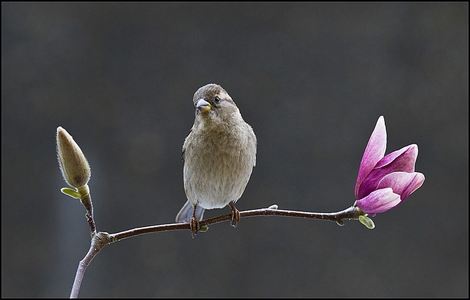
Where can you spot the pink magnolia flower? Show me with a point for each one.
(384, 182)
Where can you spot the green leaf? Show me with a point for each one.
(203, 228)
(70, 192)
(366, 221)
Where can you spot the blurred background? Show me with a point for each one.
(311, 78)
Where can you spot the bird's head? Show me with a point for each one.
(213, 104)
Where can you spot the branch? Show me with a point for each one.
(101, 239)
(351, 213)
(86, 201)
(98, 241)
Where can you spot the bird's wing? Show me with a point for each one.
(255, 141)
(184, 145)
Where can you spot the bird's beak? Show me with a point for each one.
(203, 106)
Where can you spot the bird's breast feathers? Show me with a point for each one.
(218, 164)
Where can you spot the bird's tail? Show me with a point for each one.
(186, 213)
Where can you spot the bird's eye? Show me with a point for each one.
(216, 100)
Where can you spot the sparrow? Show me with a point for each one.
(218, 154)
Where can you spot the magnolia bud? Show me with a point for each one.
(72, 162)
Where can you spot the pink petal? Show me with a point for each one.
(378, 201)
(373, 153)
(402, 160)
(411, 152)
(402, 183)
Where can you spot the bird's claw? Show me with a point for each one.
(194, 225)
(235, 215)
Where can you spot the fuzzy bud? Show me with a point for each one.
(72, 162)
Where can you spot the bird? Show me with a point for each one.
(219, 155)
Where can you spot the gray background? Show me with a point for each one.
(311, 78)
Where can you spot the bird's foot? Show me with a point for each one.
(194, 225)
(235, 215)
